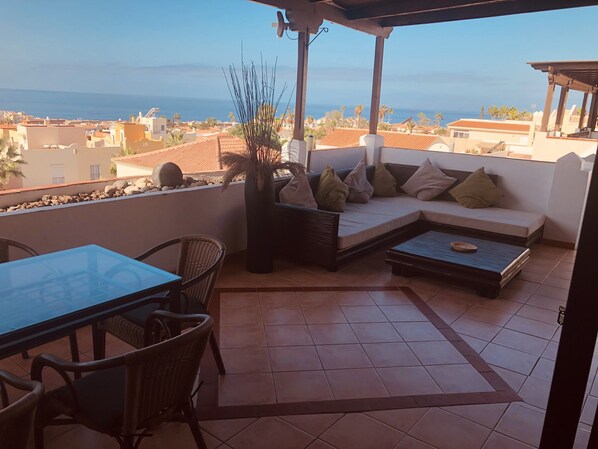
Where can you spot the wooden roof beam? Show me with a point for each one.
(391, 9)
(331, 13)
(481, 10)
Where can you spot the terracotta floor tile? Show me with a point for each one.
(223, 429)
(364, 314)
(447, 431)
(535, 392)
(508, 358)
(240, 316)
(522, 423)
(278, 299)
(319, 444)
(550, 351)
(488, 315)
(246, 389)
(316, 299)
(513, 379)
(353, 298)
(538, 314)
(390, 298)
(436, 353)
(553, 292)
(324, 315)
(242, 336)
(358, 431)
(302, 386)
(329, 334)
(543, 369)
(313, 424)
(267, 433)
(343, 356)
(475, 329)
(282, 315)
(290, 335)
(408, 381)
(390, 354)
(411, 443)
(499, 441)
(532, 327)
(418, 331)
(355, 383)
(403, 419)
(544, 302)
(476, 344)
(458, 378)
(239, 300)
(375, 332)
(246, 360)
(403, 313)
(487, 415)
(294, 358)
(520, 341)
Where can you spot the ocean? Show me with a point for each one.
(93, 106)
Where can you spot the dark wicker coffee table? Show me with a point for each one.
(488, 269)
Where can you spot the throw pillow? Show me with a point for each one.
(332, 192)
(427, 182)
(297, 192)
(360, 189)
(477, 191)
(384, 182)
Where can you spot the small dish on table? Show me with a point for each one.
(463, 247)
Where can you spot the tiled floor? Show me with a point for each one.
(516, 334)
(359, 349)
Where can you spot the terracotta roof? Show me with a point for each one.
(349, 137)
(193, 157)
(3, 126)
(490, 125)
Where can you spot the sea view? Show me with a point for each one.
(93, 106)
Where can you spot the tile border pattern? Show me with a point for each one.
(208, 408)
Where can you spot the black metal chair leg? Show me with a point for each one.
(216, 352)
(99, 342)
(194, 425)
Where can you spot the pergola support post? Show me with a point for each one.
(548, 103)
(582, 114)
(593, 112)
(302, 56)
(561, 108)
(376, 85)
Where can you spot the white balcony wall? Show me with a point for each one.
(526, 184)
(552, 148)
(339, 158)
(132, 224)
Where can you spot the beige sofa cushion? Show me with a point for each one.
(362, 222)
(427, 182)
(384, 182)
(332, 192)
(477, 191)
(360, 189)
(297, 192)
(492, 219)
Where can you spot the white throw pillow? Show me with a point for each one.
(297, 192)
(360, 189)
(427, 182)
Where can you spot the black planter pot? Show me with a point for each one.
(259, 207)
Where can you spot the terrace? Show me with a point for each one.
(515, 336)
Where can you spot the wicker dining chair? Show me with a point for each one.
(16, 419)
(199, 261)
(129, 395)
(6, 245)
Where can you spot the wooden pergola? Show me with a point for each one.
(570, 75)
(378, 17)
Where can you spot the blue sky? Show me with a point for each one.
(179, 49)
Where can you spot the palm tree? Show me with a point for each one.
(358, 111)
(231, 117)
(390, 112)
(174, 138)
(343, 109)
(10, 160)
(410, 125)
(176, 117)
(438, 119)
(382, 112)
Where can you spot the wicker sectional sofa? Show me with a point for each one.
(329, 238)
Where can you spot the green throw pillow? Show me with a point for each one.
(384, 182)
(476, 191)
(332, 192)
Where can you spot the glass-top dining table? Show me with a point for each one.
(47, 297)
